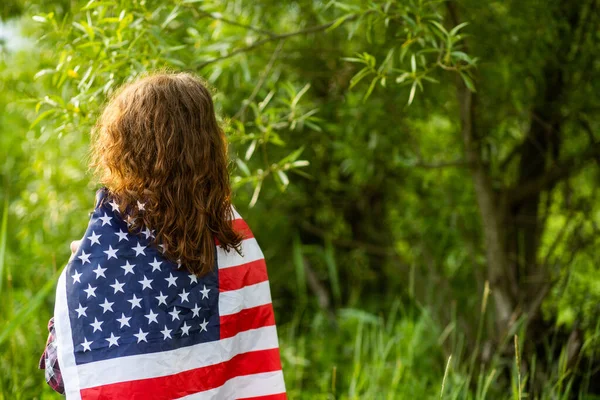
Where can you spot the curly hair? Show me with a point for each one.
(158, 149)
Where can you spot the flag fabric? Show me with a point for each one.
(132, 325)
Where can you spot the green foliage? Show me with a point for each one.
(348, 161)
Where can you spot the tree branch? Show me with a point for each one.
(274, 36)
(554, 175)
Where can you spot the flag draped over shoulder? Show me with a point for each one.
(132, 325)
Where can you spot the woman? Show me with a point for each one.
(166, 295)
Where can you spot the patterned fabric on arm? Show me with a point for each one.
(49, 361)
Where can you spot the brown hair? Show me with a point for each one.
(158, 142)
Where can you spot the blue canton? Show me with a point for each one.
(126, 298)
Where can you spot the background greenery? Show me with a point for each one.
(422, 175)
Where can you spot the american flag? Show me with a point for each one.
(132, 325)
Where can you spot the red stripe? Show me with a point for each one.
(280, 396)
(188, 382)
(237, 277)
(239, 225)
(250, 318)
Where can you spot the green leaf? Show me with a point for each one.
(468, 81)
(329, 255)
(298, 258)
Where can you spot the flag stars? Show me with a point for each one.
(184, 296)
(124, 321)
(193, 278)
(122, 235)
(139, 249)
(146, 283)
(135, 302)
(94, 239)
(162, 299)
(205, 292)
(118, 286)
(85, 258)
(151, 317)
(81, 311)
(107, 306)
(185, 329)
(141, 206)
(106, 220)
(196, 310)
(171, 279)
(86, 345)
(99, 271)
(166, 333)
(114, 205)
(147, 232)
(91, 291)
(141, 336)
(174, 314)
(76, 277)
(128, 268)
(111, 253)
(96, 324)
(113, 340)
(155, 265)
(203, 325)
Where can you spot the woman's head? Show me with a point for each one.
(158, 143)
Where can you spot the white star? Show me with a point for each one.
(91, 291)
(147, 232)
(107, 306)
(114, 205)
(96, 324)
(178, 263)
(185, 329)
(112, 340)
(161, 299)
(141, 206)
(135, 302)
(124, 320)
(130, 220)
(111, 252)
(86, 345)
(174, 314)
(205, 292)
(118, 286)
(99, 271)
(122, 235)
(81, 311)
(146, 283)
(128, 267)
(203, 325)
(106, 220)
(171, 279)
(141, 336)
(167, 333)
(193, 278)
(151, 317)
(76, 277)
(94, 238)
(155, 265)
(196, 310)
(139, 249)
(184, 295)
(162, 248)
(84, 257)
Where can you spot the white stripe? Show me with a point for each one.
(164, 363)
(250, 252)
(262, 384)
(236, 215)
(234, 301)
(62, 325)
